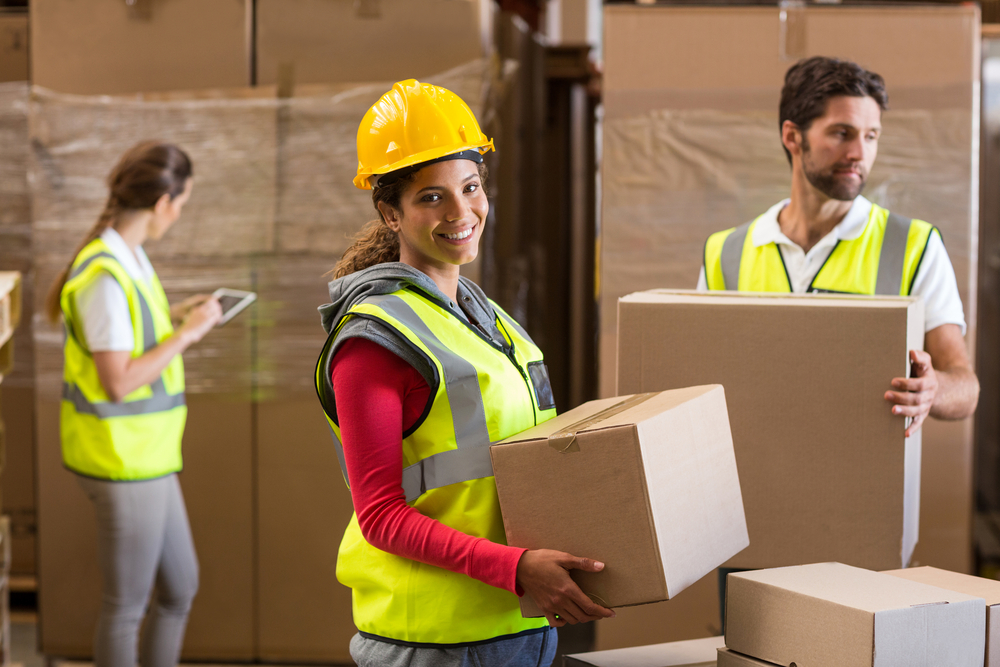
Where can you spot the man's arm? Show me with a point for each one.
(943, 385)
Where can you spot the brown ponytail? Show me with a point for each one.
(146, 172)
(376, 243)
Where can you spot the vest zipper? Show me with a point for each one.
(478, 329)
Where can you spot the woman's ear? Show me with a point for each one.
(390, 215)
(162, 204)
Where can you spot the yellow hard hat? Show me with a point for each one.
(413, 124)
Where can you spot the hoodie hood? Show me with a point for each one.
(380, 279)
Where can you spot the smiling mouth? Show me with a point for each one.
(460, 235)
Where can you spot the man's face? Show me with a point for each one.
(839, 149)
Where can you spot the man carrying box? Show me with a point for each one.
(828, 238)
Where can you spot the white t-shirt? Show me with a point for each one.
(103, 306)
(935, 281)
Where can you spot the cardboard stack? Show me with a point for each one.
(691, 653)
(830, 614)
(646, 484)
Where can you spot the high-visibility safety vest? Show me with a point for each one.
(483, 391)
(883, 260)
(139, 437)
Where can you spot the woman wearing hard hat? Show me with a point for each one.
(420, 373)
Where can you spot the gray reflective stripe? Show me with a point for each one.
(339, 447)
(889, 281)
(451, 467)
(148, 329)
(471, 460)
(160, 401)
(732, 254)
(87, 262)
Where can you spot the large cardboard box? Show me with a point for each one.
(988, 589)
(831, 615)
(13, 46)
(825, 469)
(692, 150)
(337, 41)
(691, 653)
(104, 47)
(646, 484)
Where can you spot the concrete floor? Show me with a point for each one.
(24, 641)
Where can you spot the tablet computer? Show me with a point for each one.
(233, 302)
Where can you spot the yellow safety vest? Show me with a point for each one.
(883, 260)
(483, 392)
(140, 437)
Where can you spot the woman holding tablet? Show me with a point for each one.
(123, 408)
(420, 373)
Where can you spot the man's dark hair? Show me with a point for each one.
(810, 83)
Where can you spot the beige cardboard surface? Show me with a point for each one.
(830, 615)
(651, 491)
(107, 47)
(691, 150)
(692, 614)
(304, 507)
(13, 47)
(727, 658)
(335, 41)
(815, 486)
(216, 484)
(691, 653)
(988, 589)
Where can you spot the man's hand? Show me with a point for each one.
(544, 575)
(179, 311)
(943, 385)
(914, 397)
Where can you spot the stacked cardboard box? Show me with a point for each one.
(646, 484)
(691, 653)
(829, 615)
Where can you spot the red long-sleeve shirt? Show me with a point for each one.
(379, 396)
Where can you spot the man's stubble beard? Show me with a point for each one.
(827, 183)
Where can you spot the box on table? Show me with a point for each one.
(727, 658)
(646, 484)
(988, 589)
(826, 471)
(691, 653)
(831, 615)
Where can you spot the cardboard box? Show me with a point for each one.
(10, 304)
(13, 46)
(692, 653)
(727, 658)
(988, 589)
(831, 615)
(661, 202)
(825, 469)
(105, 47)
(336, 41)
(646, 484)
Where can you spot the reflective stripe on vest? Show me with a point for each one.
(883, 260)
(138, 437)
(480, 394)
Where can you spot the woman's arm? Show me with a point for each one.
(121, 374)
(378, 396)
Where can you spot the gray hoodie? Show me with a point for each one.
(346, 292)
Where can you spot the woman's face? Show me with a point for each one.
(167, 211)
(441, 216)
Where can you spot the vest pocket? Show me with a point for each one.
(539, 373)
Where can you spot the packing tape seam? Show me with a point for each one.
(563, 441)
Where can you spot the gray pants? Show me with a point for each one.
(533, 650)
(143, 538)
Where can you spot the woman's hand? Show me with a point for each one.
(179, 311)
(544, 575)
(199, 321)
